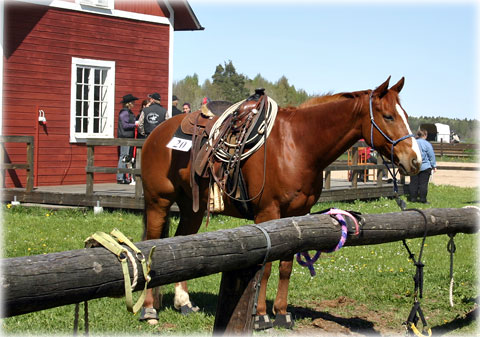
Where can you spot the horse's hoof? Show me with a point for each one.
(284, 321)
(150, 315)
(188, 309)
(262, 322)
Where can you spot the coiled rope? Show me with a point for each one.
(266, 126)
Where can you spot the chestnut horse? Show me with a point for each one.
(303, 142)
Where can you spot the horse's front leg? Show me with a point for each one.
(283, 318)
(262, 321)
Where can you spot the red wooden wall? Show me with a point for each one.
(40, 42)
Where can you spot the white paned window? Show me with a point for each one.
(97, 3)
(92, 99)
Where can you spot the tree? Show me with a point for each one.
(188, 90)
(230, 85)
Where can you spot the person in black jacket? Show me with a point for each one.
(153, 114)
(175, 110)
(126, 129)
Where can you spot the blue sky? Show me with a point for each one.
(323, 46)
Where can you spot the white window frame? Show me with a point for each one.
(106, 4)
(109, 101)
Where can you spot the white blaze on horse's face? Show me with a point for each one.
(415, 147)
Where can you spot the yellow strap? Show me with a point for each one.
(146, 265)
(112, 245)
(418, 333)
(123, 239)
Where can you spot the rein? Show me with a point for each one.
(391, 141)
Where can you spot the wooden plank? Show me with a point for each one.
(107, 199)
(115, 142)
(100, 169)
(40, 282)
(16, 139)
(90, 174)
(65, 195)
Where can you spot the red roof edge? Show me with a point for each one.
(185, 18)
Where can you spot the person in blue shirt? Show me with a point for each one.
(419, 183)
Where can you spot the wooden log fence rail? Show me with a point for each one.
(91, 169)
(39, 282)
(28, 140)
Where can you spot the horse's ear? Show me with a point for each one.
(382, 89)
(398, 87)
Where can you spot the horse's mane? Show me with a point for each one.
(329, 97)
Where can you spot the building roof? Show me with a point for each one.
(185, 18)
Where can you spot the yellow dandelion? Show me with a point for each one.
(9, 206)
(47, 214)
(29, 249)
(401, 270)
(44, 245)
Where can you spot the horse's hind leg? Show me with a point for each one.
(190, 222)
(156, 227)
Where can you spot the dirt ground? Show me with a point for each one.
(359, 321)
(460, 178)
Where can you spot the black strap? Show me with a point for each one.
(416, 313)
(257, 285)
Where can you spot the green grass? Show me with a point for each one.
(376, 280)
(472, 158)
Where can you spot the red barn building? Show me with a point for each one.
(72, 61)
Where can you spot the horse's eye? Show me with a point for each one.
(388, 117)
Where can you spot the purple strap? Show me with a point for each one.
(309, 261)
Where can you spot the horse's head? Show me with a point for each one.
(387, 124)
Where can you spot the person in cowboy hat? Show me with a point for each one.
(126, 129)
(175, 110)
(152, 115)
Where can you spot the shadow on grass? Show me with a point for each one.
(458, 322)
(354, 324)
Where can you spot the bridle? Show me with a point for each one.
(391, 141)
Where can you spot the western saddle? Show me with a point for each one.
(222, 135)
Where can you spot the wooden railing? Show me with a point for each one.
(14, 166)
(455, 149)
(354, 166)
(91, 169)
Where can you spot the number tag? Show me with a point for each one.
(180, 144)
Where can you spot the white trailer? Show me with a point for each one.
(437, 132)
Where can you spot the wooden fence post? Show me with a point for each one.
(236, 301)
(90, 163)
(30, 175)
